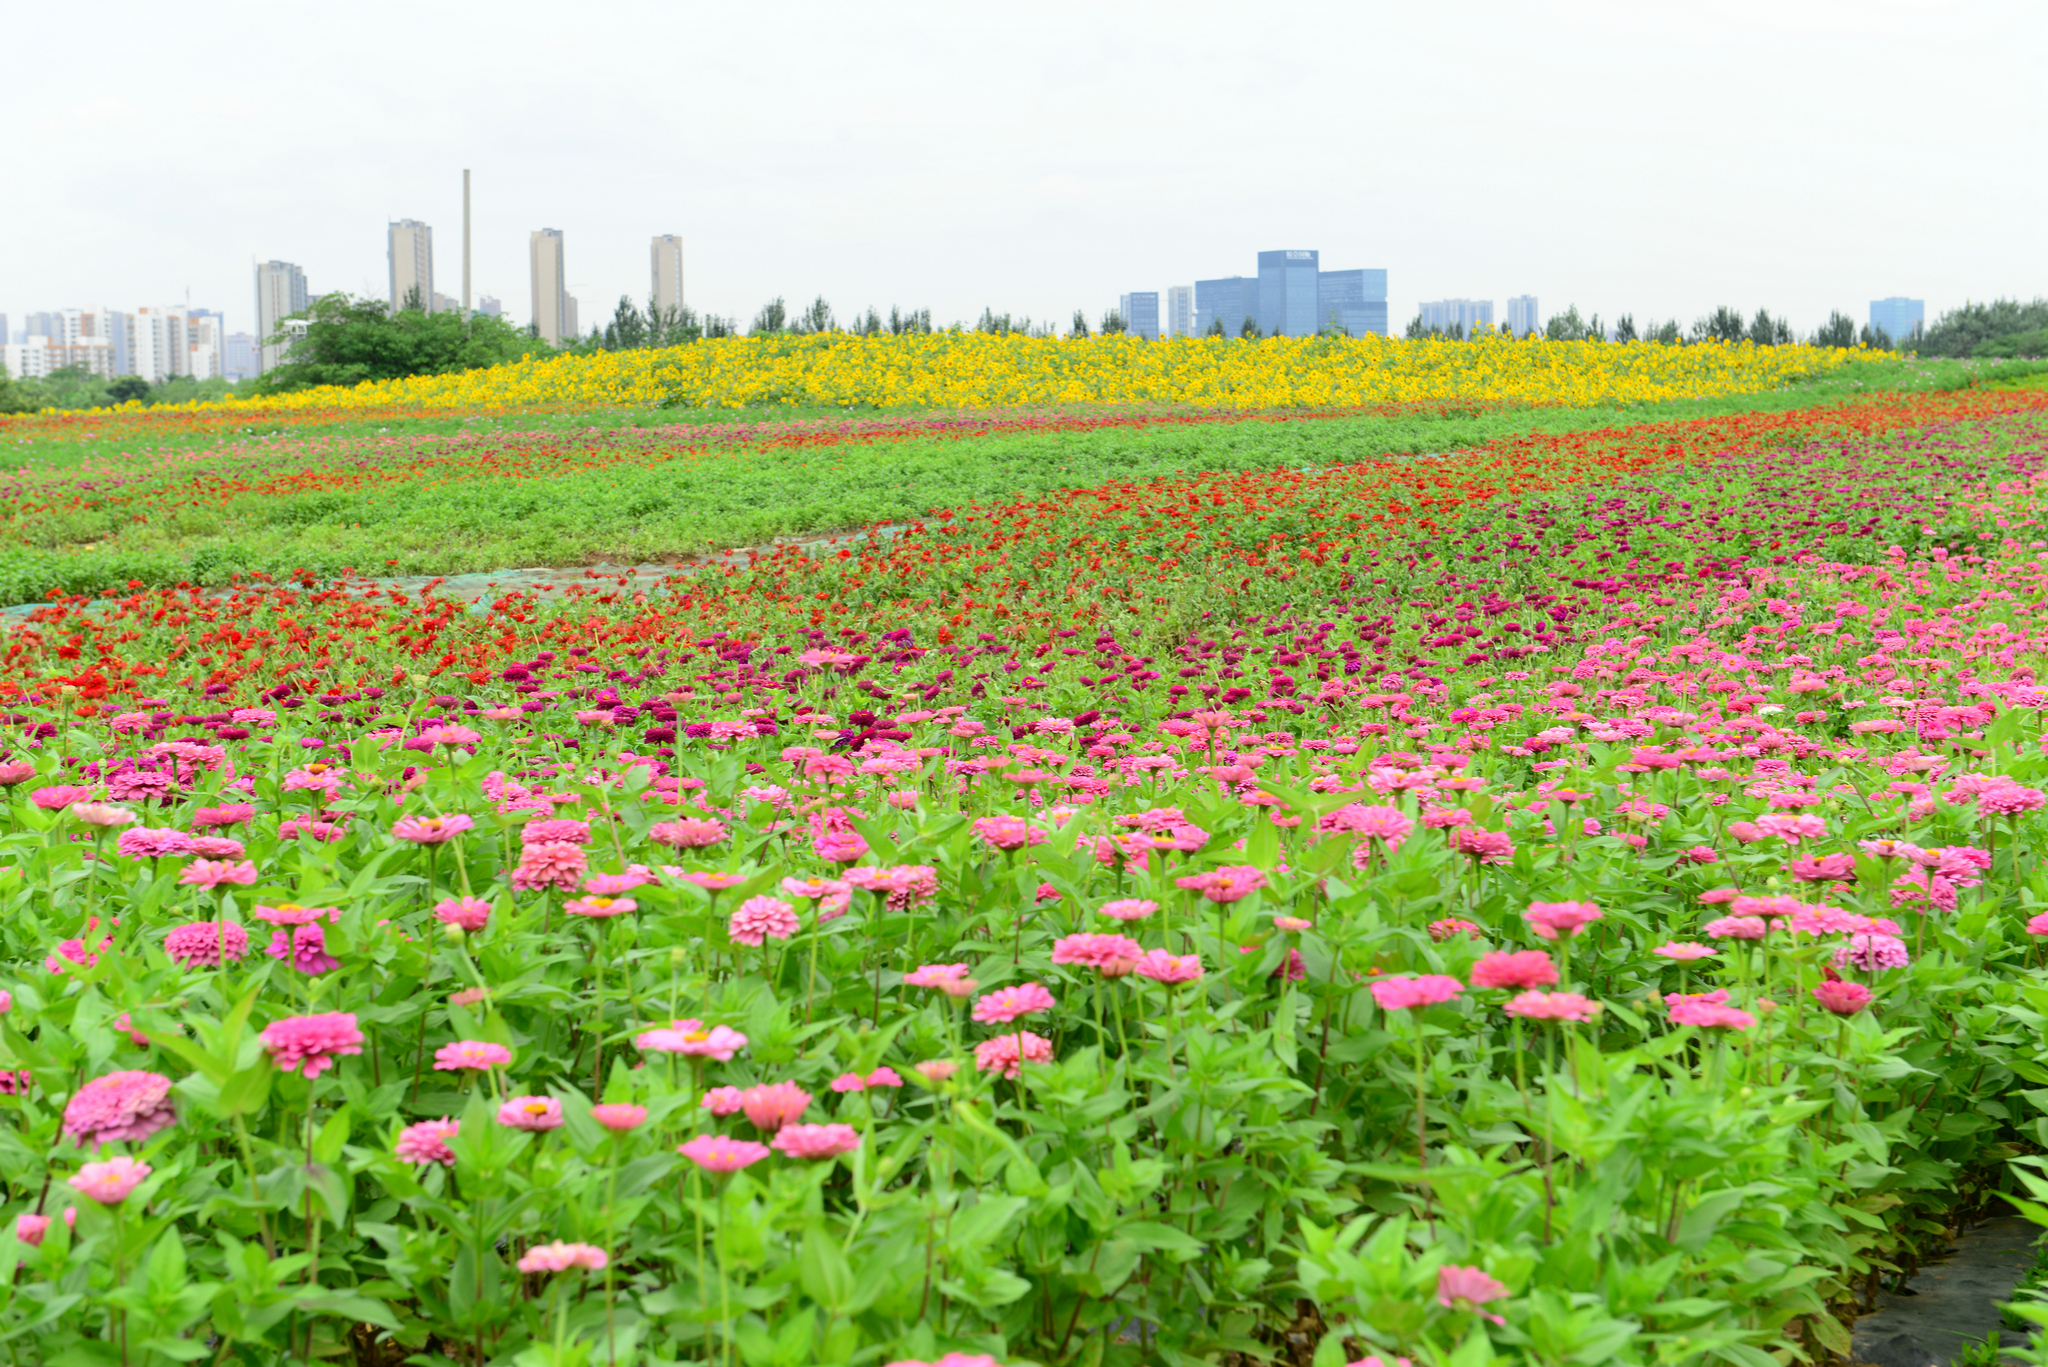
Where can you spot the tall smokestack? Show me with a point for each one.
(465, 250)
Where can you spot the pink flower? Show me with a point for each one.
(1700, 854)
(1873, 951)
(1551, 919)
(1467, 1288)
(143, 842)
(937, 1070)
(1685, 951)
(1737, 928)
(884, 1076)
(549, 864)
(129, 1106)
(199, 944)
(554, 831)
(1102, 952)
(1008, 833)
(1514, 969)
(2038, 925)
(617, 884)
(1717, 896)
(1402, 992)
(561, 1257)
(1710, 1015)
(839, 847)
(471, 1054)
(314, 1041)
(292, 914)
(56, 799)
(30, 1229)
(618, 1116)
(815, 1141)
(1823, 868)
(772, 1105)
(531, 1113)
(1842, 998)
(1001, 1007)
(431, 830)
(1230, 884)
(723, 1100)
(233, 814)
(1129, 909)
(304, 947)
(952, 1360)
(1452, 925)
(762, 918)
(110, 1182)
(427, 1142)
(935, 975)
(689, 833)
(715, 1153)
(1552, 1006)
(600, 908)
(694, 1038)
(1170, 969)
(1001, 1053)
(710, 882)
(471, 913)
(1791, 829)
(1485, 847)
(214, 873)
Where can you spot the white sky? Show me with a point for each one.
(1651, 156)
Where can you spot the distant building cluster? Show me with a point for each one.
(1898, 319)
(1523, 316)
(154, 342)
(1291, 296)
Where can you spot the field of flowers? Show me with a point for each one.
(975, 370)
(1575, 900)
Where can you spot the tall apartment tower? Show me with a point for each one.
(550, 298)
(1180, 312)
(409, 245)
(666, 283)
(1522, 315)
(280, 293)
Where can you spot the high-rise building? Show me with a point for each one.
(42, 325)
(1461, 315)
(1353, 302)
(6, 337)
(1180, 312)
(570, 329)
(30, 358)
(1899, 319)
(280, 293)
(665, 284)
(489, 304)
(443, 303)
(162, 343)
(1229, 301)
(1140, 312)
(206, 344)
(239, 363)
(1287, 293)
(1522, 316)
(409, 246)
(550, 299)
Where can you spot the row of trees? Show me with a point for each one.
(2003, 327)
(77, 387)
(1724, 324)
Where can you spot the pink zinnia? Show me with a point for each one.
(600, 908)
(1552, 1006)
(1008, 833)
(314, 1041)
(213, 873)
(531, 1113)
(1514, 969)
(689, 833)
(1873, 951)
(1001, 1053)
(2038, 925)
(1171, 969)
(1685, 951)
(618, 1116)
(694, 1038)
(143, 842)
(1468, 1288)
(815, 1141)
(723, 1100)
(772, 1105)
(561, 1257)
(1401, 992)
(1230, 884)
(1452, 925)
(110, 1182)
(1737, 928)
(1710, 1015)
(555, 830)
(431, 830)
(1098, 951)
(199, 945)
(715, 1153)
(471, 913)
(1842, 998)
(1129, 909)
(935, 975)
(550, 864)
(427, 1142)
(839, 847)
(304, 948)
(1001, 1007)
(292, 914)
(471, 1054)
(762, 918)
(129, 1107)
(1551, 919)
(56, 799)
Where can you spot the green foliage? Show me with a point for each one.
(1724, 324)
(1838, 331)
(1079, 328)
(1113, 323)
(349, 340)
(2030, 344)
(1567, 326)
(773, 318)
(75, 388)
(1960, 331)
(1625, 328)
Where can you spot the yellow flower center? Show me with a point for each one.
(697, 1036)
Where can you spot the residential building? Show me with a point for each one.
(1179, 320)
(29, 358)
(280, 293)
(1461, 315)
(1899, 319)
(665, 269)
(161, 345)
(1288, 293)
(550, 299)
(570, 331)
(1523, 318)
(40, 325)
(1140, 313)
(239, 360)
(6, 337)
(206, 344)
(409, 247)
(1229, 300)
(490, 304)
(37, 355)
(1353, 302)
(445, 304)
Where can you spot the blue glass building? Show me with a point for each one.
(1141, 314)
(1354, 302)
(1230, 300)
(1898, 318)
(1292, 296)
(1288, 291)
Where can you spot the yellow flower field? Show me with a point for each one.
(974, 370)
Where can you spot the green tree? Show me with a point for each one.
(349, 340)
(1566, 326)
(628, 329)
(128, 389)
(1216, 328)
(2030, 344)
(1250, 328)
(999, 324)
(1667, 334)
(773, 318)
(1875, 338)
(1080, 328)
(816, 318)
(14, 398)
(415, 302)
(715, 326)
(1625, 328)
(1112, 323)
(1596, 331)
(1764, 329)
(1960, 331)
(871, 324)
(1838, 331)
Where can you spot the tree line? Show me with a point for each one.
(1724, 324)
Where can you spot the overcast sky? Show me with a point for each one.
(1648, 157)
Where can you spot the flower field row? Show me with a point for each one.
(1572, 901)
(973, 370)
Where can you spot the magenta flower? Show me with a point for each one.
(1403, 992)
(144, 842)
(1009, 833)
(1001, 1007)
(292, 914)
(1129, 909)
(305, 948)
(600, 908)
(815, 1141)
(1842, 998)
(1006, 1054)
(1711, 1015)
(1170, 969)
(1736, 928)
(561, 1257)
(110, 1182)
(1552, 1006)
(532, 1113)
(723, 1100)
(1551, 919)
(431, 830)
(1230, 884)
(762, 918)
(935, 975)
(694, 1038)
(689, 833)
(839, 847)
(619, 1116)
(1468, 1288)
(1514, 969)
(427, 1142)
(1450, 926)
(1873, 951)
(549, 864)
(772, 1105)
(560, 830)
(1685, 951)
(200, 944)
(314, 1041)
(471, 913)
(715, 1153)
(471, 1054)
(214, 873)
(1114, 955)
(129, 1107)
(57, 798)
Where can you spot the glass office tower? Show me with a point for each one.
(1288, 293)
(1230, 300)
(1354, 302)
